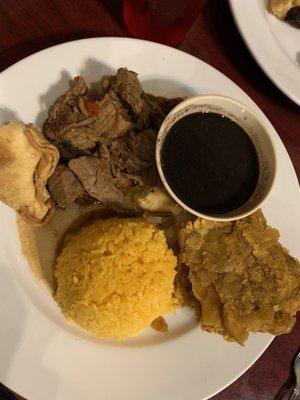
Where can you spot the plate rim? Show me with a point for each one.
(289, 88)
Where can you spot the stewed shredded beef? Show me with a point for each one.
(106, 141)
(64, 186)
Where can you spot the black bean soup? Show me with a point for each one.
(210, 163)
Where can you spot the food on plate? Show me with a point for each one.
(116, 276)
(117, 251)
(27, 160)
(76, 123)
(215, 170)
(289, 10)
(106, 142)
(41, 245)
(244, 279)
(64, 187)
(293, 17)
(159, 325)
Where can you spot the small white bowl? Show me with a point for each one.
(253, 126)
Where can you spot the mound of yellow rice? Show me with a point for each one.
(115, 277)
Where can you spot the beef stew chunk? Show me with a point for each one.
(77, 123)
(106, 141)
(64, 187)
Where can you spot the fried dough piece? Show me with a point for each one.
(27, 160)
(245, 280)
(280, 8)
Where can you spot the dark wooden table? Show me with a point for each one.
(27, 26)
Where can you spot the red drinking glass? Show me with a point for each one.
(163, 21)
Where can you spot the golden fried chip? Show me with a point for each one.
(245, 280)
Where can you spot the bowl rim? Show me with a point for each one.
(202, 100)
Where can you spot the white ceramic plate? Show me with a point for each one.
(274, 44)
(45, 358)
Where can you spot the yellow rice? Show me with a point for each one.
(115, 277)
